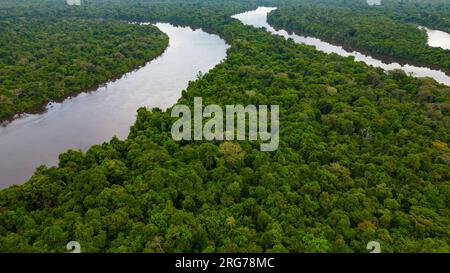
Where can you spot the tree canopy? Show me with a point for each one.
(368, 29)
(363, 156)
(43, 60)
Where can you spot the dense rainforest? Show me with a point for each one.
(365, 28)
(42, 60)
(51, 50)
(363, 156)
(430, 13)
(433, 14)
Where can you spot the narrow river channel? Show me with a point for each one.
(258, 18)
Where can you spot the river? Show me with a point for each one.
(94, 117)
(258, 18)
(437, 38)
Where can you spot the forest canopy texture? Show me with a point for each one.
(43, 60)
(363, 156)
(372, 29)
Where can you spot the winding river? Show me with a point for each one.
(94, 117)
(258, 18)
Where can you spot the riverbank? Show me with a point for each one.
(68, 57)
(384, 58)
(356, 145)
(258, 18)
(369, 33)
(91, 118)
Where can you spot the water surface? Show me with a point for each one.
(95, 117)
(437, 38)
(258, 18)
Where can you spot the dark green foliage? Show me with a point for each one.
(363, 156)
(47, 59)
(369, 29)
